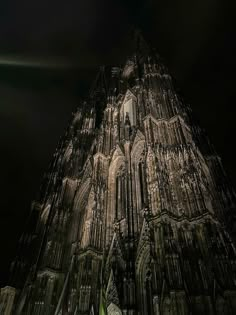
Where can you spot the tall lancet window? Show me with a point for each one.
(120, 194)
(142, 183)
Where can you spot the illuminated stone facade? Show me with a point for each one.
(134, 213)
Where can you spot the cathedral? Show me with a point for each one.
(135, 214)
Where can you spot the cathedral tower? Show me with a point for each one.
(134, 215)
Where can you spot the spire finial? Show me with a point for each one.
(140, 43)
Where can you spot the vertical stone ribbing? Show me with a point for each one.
(135, 207)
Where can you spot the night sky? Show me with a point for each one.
(50, 51)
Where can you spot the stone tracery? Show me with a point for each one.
(135, 208)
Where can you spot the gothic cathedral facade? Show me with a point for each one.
(135, 213)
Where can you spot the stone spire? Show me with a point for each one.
(134, 212)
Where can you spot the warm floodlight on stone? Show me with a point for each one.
(134, 213)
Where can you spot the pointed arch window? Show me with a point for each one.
(141, 174)
(142, 181)
(149, 295)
